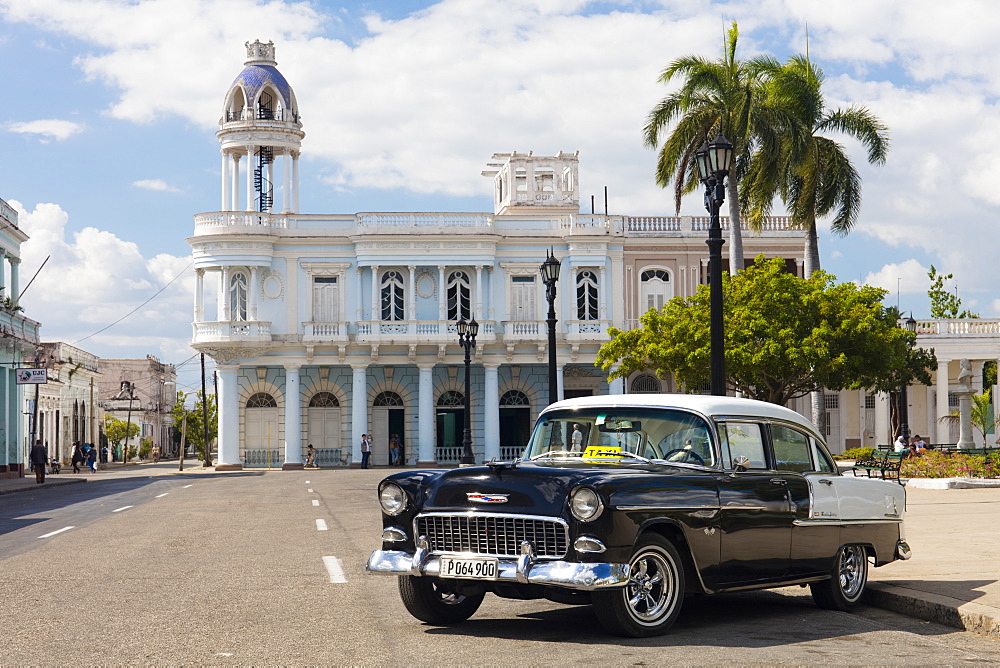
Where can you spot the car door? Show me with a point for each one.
(756, 516)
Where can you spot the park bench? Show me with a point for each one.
(883, 462)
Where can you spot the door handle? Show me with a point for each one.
(825, 481)
(778, 481)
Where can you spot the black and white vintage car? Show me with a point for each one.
(629, 502)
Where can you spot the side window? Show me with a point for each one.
(824, 463)
(792, 449)
(743, 439)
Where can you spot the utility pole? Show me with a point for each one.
(204, 414)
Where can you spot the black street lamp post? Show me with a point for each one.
(904, 418)
(467, 339)
(714, 162)
(550, 276)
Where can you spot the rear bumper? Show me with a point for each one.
(524, 570)
(903, 550)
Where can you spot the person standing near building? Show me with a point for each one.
(92, 459)
(394, 449)
(577, 438)
(77, 456)
(38, 458)
(366, 451)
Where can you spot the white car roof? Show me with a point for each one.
(708, 405)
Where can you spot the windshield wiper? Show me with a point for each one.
(626, 453)
(553, 453)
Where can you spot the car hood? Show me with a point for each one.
(523, 489)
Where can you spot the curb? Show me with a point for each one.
(47, 483)
(944, 610)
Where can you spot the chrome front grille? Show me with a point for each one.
(493, 535)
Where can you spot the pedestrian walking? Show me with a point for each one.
(366, 451)
(92, 459)
(394, 449)
(77, 456)
(39, 459)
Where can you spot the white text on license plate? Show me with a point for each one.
(476, 568)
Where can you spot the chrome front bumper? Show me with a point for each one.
(524, 570)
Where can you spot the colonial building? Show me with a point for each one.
(142, 392)
(325, 327)
(18, 348)
(69, 407)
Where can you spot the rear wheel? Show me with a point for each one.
(846, 586)
(650, 602)
(432, 601)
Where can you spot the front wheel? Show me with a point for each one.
(431, 601)
(650, 602)
(846, 586)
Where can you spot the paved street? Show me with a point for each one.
(268, 568)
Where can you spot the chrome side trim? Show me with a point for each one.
(713, 508)
(837, 522)
(568, 574)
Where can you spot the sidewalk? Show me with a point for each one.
(953, 577)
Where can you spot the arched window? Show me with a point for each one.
(586, 296)
(237, 297)
(261, 400)
(393, 288)
(323, 400)
(387, 398)
(459, 296)
(452, 399)
(513, 398)
(645, 384)
(655, 289)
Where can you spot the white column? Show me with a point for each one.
(604, 294)
(977, 385)
(293, 419)
(931, 427)
(286, 181)
(15, 284)
(491, 408)
(295, 183)
(479, 292)
(941, 382)
(225, 182)
(359, 292)
(250, 190)
(617, 386)
(425, 409)
(376, 311)
(229, 419)
(442, 291)
(235, 189)
(3, 274)
(199, 295)
(882, 419)
(224, 293)
(359, 412)
(559, 379)
(254, 297)
(412, 294)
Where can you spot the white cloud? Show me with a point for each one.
(155, 184)
(48, 129)
(95, 278)
(907, 277)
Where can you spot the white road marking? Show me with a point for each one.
(307, 482)
(335, 570)
(315, 502)
(310, 490)
(53, 533)
(186, 486)
(321, 525)
(121, 509)
(159, 495)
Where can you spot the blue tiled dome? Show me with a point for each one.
(254, 78)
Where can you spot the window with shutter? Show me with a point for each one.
(326, 299)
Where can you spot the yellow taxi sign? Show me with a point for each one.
(598, 451)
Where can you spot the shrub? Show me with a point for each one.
(855, 453)
(934, 464)
(145, 447)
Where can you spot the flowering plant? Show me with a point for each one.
(934, 464)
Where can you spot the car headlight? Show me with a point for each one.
(585, 504)
(392, 499)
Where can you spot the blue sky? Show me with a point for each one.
(111, 107)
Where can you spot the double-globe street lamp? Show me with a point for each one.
(467, 339)
(550, 276)
(909, 325)
(714, 162)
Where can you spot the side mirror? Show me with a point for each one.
(741, 464)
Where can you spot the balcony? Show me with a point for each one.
(325, 332)
(232, 332)
(964, 327)
(423, 331)
(587, 330)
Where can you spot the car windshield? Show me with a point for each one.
(610, 433)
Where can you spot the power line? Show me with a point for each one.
(137, 307)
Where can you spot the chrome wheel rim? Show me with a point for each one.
(853, 571)
(652, 587)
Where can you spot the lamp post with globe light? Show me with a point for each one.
(550, 276)
(467, 332)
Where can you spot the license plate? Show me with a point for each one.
(473, 568)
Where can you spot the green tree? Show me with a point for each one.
(943, 303)
(810, 171)
(195, 421)
(785, 337)
(725, 95)
(116, 429)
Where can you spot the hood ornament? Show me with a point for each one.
(476, 497)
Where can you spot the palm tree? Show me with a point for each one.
(812, 173)
(725, 95)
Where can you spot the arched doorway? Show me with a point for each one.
(260, 435)
(450, 423)
(324, 424)
(388, 418)
(515, 423)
